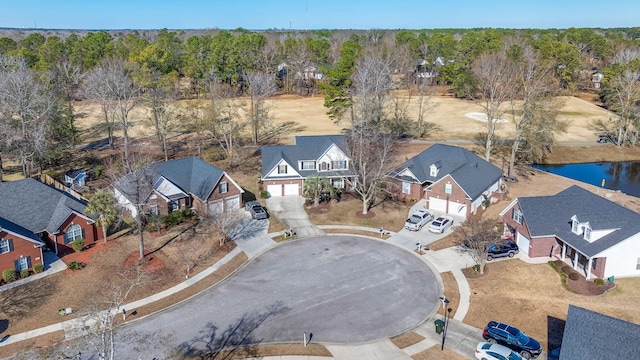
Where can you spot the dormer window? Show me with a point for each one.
(433, 169)
(587, 232)
(574, 225)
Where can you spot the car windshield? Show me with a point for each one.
(414, 219)
(514, 356)
(522, 338)
(436, 223)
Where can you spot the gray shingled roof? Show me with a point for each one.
(591, 335)
(16, 229)
(474, 174)
(191, 175)
(551, 215)
(35, 206)
(305, 148)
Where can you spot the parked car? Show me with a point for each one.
(440, 224)
(488, 351)
(497, 332)
(508, 248)
(256, 210)
(604, 139)
(418, 219)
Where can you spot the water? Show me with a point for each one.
(623, 176)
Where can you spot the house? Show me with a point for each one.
(597, 236)
(34, 215)
(75, 178)
(591, 335)
(451, 179)
(188, 183)
(285, 167)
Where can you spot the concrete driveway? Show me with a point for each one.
(290, 210)
(338, 289)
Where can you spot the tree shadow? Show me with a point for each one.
(216, 343)
(18, 302)
(555, 331)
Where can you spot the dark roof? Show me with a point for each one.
(191, 175)
(35, 206)
(75, 172)
(551, 215)
(7, 225)
(591, 335)
(305, 148)
(471, 172)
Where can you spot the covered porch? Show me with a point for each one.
(590, 267)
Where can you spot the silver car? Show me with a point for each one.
(487, 351)
(256, 210)
(441, 224)
(418, 219)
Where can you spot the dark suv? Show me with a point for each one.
(497, 332)
(508, 248)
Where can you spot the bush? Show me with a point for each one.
(574, 276)
(172, 219)
(78, 244)
(598, 282)
(38, 268)
(75, 265)
(24, 273)
(187, 214)
(9, 275)
(566, 269)
(98, 172)
(264, 194)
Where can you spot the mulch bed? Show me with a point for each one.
(589, 288)
(149, 263)
(368, 215)
(470, 273)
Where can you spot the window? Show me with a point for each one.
(339, 164)
(22, 263)
(324, 166)
(224, 187)
(517, 216)
(406, 187)
(338, 183)
(638, 264)
(73, 232)
(282, 169)
(587, 233)
(308, 165)
(175, 205)
(153, 210)
(5, 246)
(593, 263)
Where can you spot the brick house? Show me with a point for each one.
(596, 236)
(34, 215)
(451, 179)
(188, 183)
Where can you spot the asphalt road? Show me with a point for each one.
(337, 289)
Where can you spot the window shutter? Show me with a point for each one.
(28, 262)
(83, 234)
(16, 264)
(10, 241)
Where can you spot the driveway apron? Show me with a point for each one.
(290, 210)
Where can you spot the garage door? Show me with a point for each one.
(523, 243)
(457, 209)
(216, 207)
(438, 204)
(232, 203)
(291, 189)
(274, 190)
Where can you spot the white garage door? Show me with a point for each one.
(232, 203)
(274, 190)
(216, 207)
(291, 189)
(438, 204)
(523, 243)
(457, 209)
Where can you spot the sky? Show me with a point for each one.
(317, 14)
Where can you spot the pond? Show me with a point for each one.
(623, 176)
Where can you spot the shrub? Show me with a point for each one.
(187, 214)
(264, 194)
(598, 282)
(75, 265)
(38, 268)
(574, 276)
(566, 269)
(78, 244)
(9, 275)
(24, 273)
(172, 219)
(98, 171)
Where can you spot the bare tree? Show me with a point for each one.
(494, 77)
(533, 107)
(25, 108)
(161, 100)
(371, 155)
(425, 107)
(371, 86)
(94, 89)
(196, 121)
(625, 102)
(193, 248)
(261, 86)
(475, 235)
(227, 126)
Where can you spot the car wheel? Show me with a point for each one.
(525, 355)
(489, 257)
(491, 341)
(511, 254)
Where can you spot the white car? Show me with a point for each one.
(441, 224)
(487, 351)
(418, 219)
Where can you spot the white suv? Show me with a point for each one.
(418, 219)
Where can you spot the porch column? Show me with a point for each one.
(564, 251)
(55, 243)
(575, 260)
(589, 268)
